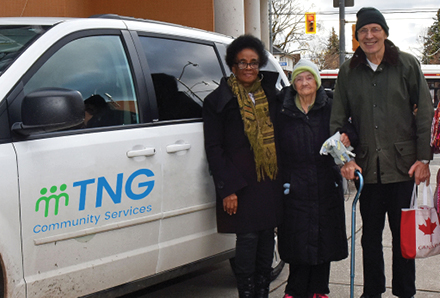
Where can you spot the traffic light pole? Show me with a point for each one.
(341, 32)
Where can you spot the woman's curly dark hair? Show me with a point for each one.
(242, 42)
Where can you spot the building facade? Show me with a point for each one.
(229, 17)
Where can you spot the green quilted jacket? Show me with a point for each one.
(381, 104)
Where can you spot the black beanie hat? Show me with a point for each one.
(370, 15)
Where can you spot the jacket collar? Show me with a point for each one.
(320, 100)
(391, 55)
(225, 93)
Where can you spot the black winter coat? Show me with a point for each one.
(231, 162)
(313, 231)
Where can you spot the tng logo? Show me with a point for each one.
(132, 190)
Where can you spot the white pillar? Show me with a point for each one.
(252, 17)
(229, 17)
(264, 15)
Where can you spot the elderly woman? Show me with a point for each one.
(240, 147)
(313, 231)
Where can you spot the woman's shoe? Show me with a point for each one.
(287, 296)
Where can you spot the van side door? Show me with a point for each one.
(184, 72)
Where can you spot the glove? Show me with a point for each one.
(286, 188)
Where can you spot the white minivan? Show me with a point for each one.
(104, 180)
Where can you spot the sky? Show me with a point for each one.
(404, 18)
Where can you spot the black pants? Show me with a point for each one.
(308, 279)
(254, 253)
(377, 200)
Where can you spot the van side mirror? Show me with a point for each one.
(50, 109)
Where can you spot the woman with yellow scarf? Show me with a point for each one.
(240, 146)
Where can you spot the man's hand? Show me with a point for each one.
(230, 204)
(421, 172)
(345, 140)
(347, 171)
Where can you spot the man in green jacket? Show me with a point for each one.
(384, 93)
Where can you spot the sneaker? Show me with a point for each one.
(319, 296)
(287, 296)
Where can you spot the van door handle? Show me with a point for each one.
(141, 152)
(178, 147)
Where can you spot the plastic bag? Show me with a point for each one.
(334, 146)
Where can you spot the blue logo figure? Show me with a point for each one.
(47, 199)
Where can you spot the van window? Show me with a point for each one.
(97, 67)
(14, 39)
(183, 74)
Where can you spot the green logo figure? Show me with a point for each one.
(47, 199)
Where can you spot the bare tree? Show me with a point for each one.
(288, 25)
(418, 49)
(325, 52)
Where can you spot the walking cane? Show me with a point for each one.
(353, 231)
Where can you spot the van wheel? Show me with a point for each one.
(277, 263)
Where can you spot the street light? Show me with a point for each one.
(183, 69)
(202, 82)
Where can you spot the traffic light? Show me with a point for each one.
(310, 22)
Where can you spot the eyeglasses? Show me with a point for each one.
(244, 65)
(374, 30)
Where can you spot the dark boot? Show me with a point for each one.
(262, 283)
(245, 287)
(371, 296)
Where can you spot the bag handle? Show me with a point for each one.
(427, 193)
(414, 198)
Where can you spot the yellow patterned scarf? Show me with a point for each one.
(257, 126)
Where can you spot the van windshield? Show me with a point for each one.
(14, 39)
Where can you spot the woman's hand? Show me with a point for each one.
(347, 171)
(345, 140)
(230, 204)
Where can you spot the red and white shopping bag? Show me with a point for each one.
(420, 228)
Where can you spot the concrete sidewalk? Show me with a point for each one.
(427, 270)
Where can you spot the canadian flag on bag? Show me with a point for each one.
(420, 228)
